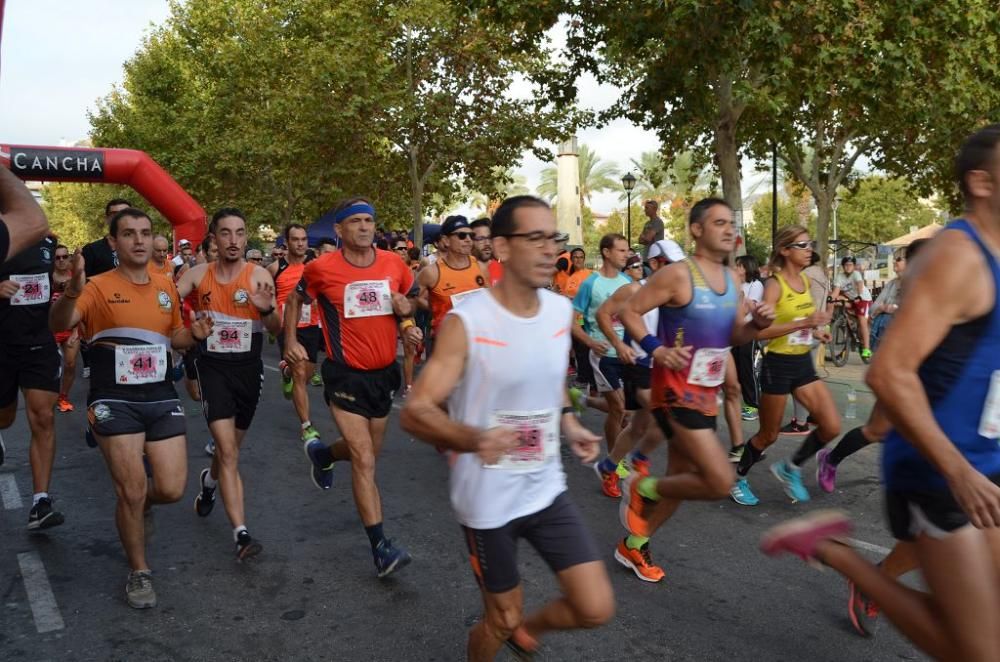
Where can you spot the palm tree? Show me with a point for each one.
(662, 181)
(595, 175)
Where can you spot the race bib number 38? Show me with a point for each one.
(140, 364)
(34, 289)
(367, 298)
(230, 336)
(708, 366)
(539, 438)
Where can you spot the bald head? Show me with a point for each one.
(161, 247)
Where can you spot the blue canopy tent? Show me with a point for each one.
(321, 228)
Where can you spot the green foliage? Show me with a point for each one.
(878, 209)
(76, 211)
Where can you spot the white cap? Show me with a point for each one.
(667, 249)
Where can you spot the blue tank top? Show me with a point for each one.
(956, 377)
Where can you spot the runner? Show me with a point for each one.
(744, 355)
(482, 249)
(501, 365)
(287, 272)
(359, 291)
(787, 368)
(22, 222)
(132, 318)
(239, 297)
(30, 363)
(159, 264)
(455, 275)
(594, 291)
(700, 317)
(68, 341)
(936, 376)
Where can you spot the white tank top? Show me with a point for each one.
(515, 375)
(651, 320)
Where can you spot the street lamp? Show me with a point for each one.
(628, 181)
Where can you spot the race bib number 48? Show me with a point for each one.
(367, 298)
(34, 289)
(230, 336)
(140, 364)
(539, 438)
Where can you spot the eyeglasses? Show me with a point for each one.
(462, 235)
(254, 259)
(486, 238)
(801, 245)
(535, 239)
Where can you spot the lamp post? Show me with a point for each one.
(628, 181)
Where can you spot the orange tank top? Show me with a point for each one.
(285, 280)
(236, 332)
(452, 285)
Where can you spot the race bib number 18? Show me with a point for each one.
(539, 438)
(34, 289)
(367, 298)
(140, 364)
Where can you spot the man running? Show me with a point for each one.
(68, 341)
(455, 275)
(239, 297)
(132, 319)
(287, 272)
(482, 249)
(700, 317)
(30, 363)
(594, 291)
(159, 264)
(359, 291)
(937, 376)
(500, 366)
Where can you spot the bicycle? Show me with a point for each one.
(844, 335)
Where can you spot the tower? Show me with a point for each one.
(570, 218)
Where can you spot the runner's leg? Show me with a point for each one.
(70, 350)
(225, 467)
(123, 456)
(357, 434)
(39, 406)
(587, 601)
(503, 615)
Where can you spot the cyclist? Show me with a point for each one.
(851, 284)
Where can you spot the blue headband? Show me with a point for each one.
(357, 208)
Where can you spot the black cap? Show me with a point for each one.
(849, 258)
(453, 224)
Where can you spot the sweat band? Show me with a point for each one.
(358, 208)
(650, 344)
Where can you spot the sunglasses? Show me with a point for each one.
(900, 259)
(462, 235)
(399, 248)
(254, 259)
(62, 257)
(633, 266)
(801, 245)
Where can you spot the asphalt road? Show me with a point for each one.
(312, 593)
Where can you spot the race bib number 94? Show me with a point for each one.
(539, 438)
(230, 336)
(367, 298)
(34, 289)
(140, 364)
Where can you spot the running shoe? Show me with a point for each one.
(86, 373)
(634, 510)
(791, 479)
(862, 611)
(742, 494)
(640, 467)
(749, 414)
(609, 481)
(310, 434)
(735, 453)
(210, 448)
(139, 591)
(577, 399)
(286, 380)
(826, 471)
(43, 517)
(801, 535)
(623, 469)
(205, 501)
(866, 354)
(639, 561)
(389, 558)
(246, 547)
(316, 380)
(406, 390)
(322, 476)
(64, 405)
(794, 427)
(522, 645)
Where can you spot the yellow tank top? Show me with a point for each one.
(792, 306)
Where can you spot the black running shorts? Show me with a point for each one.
(558, 533)
(28, 367)
(933, 513)
(634, 378)
(781, 374)
(692, 419)
(366, 393)
(229, 389)
(191, 355)
(309, 337)
(159, 420)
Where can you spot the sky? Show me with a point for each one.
(58, 57)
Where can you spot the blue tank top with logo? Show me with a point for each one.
(956, 377)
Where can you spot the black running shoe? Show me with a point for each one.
(205, 501)
(794, 427)
(246, 546)
(389, 558)
(42, 516)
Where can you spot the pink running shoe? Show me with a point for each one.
(801, 535)
(826, 471)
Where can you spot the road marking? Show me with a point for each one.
(271, 367)
(861, 544)
(36, 585)
(9, 492)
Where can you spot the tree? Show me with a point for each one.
(663, 180)
(596, 175)
(878, 209)
(76, 211)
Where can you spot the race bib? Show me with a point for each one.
(140, 364)
(367, 298)
(989, 422)
(708, 366)
(801, 337)
(230, 336)
(306, 314)
(539, 441)
(458, 298)
(34, 289)
(617, 326)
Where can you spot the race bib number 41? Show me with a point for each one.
(708, 366)
(34, 289)
(230, 336)
(140, 364)
(539, 438)
(367, 298)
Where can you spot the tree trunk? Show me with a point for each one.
(727, 155)
(416, 200)
(824, 212)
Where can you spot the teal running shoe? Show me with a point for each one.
(791, 480)
(742, 494)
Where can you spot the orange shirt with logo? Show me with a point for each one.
(451, 284)
(229, 305)
(286, 279)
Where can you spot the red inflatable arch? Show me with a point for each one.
(111, 166)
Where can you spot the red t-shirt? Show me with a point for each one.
(496, 272)
(355, 305)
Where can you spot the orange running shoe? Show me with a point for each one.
(635, 509)
(640, 467)
(640, 562)
(64, 405)
(609, 481)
